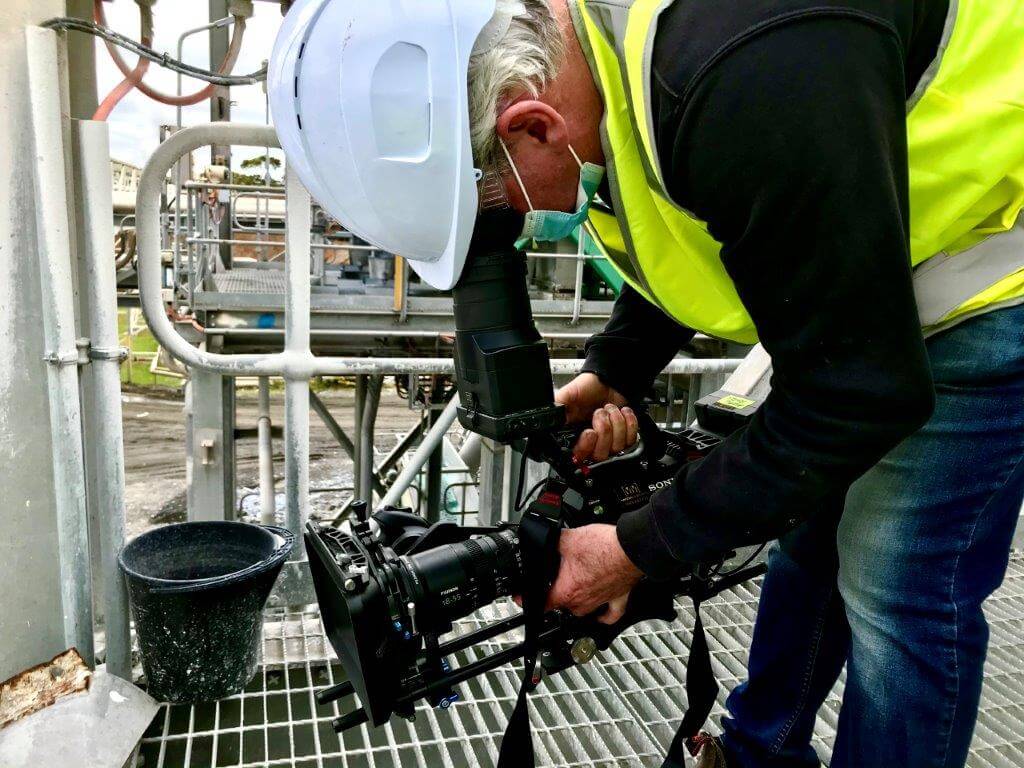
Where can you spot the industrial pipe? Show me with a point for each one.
(364, 483)
(92, 146)
(265, 442)
(469, 452)
(57, 307)
(422, 455)
(296, 345)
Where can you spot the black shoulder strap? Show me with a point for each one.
(538, 542)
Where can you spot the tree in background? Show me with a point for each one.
(264, 167)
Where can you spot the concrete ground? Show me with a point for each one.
(154, 436)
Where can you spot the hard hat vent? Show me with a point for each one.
(400, 102)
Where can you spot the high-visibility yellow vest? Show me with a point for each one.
(965, 128)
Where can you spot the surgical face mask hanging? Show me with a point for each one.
(550, 226)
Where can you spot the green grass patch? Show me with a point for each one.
(136, 371)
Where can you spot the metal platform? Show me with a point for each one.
(243, 309)
(252, 281)
(620, 711)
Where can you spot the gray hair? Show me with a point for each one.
(526, 58)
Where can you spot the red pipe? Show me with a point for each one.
(185, 100)
(121, 89)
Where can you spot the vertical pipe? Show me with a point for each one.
(189, 249)
(296, 345)
(357, 461)
(268, 505)
(434, 478)
(57, 308)
(93, 150)
(187, 412)
(366, 432)
(229, 391)
(220, 109)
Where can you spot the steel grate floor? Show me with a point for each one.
(248, 280)
(620, 711)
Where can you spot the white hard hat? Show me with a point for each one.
(369, 102)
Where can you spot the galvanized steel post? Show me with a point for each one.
(264, 427)
(55, 276)
(93, 153)
(296, 350)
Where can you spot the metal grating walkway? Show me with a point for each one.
(248, 280)
(620, 711)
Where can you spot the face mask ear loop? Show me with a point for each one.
(576, 157)
(515, 172)
(519, 180)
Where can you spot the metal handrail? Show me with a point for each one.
(295, 361)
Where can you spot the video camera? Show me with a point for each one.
(390, 585)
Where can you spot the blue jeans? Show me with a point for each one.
(893, 586)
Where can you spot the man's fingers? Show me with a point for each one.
(603, 427)
(614, 430)
(632, 426)
(618, 425)
(615, 611)
(569, 396)
(585, 444)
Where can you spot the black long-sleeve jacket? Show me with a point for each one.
(782, 124)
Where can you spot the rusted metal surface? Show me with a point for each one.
(97, 728)
(42, 685)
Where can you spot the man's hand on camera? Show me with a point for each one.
(613, 426)
(595, 571)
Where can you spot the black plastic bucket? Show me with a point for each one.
(197, 593)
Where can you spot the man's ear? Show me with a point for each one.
(533, 121)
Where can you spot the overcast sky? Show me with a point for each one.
(135, 122)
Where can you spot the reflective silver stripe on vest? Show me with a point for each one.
(944, 282)
(933, 69)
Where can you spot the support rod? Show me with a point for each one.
(264, 433)
(398, 452)
(296, 386)
(482, 634)
(357, 457)
(334, 692)
(92, 147)
(340, 437)
(332, 424)
(364, 487)
(416, 462)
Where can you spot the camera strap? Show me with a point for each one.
(701, 685)
(701, 692)
(538, 542)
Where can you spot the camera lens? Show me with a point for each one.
(453, 580)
